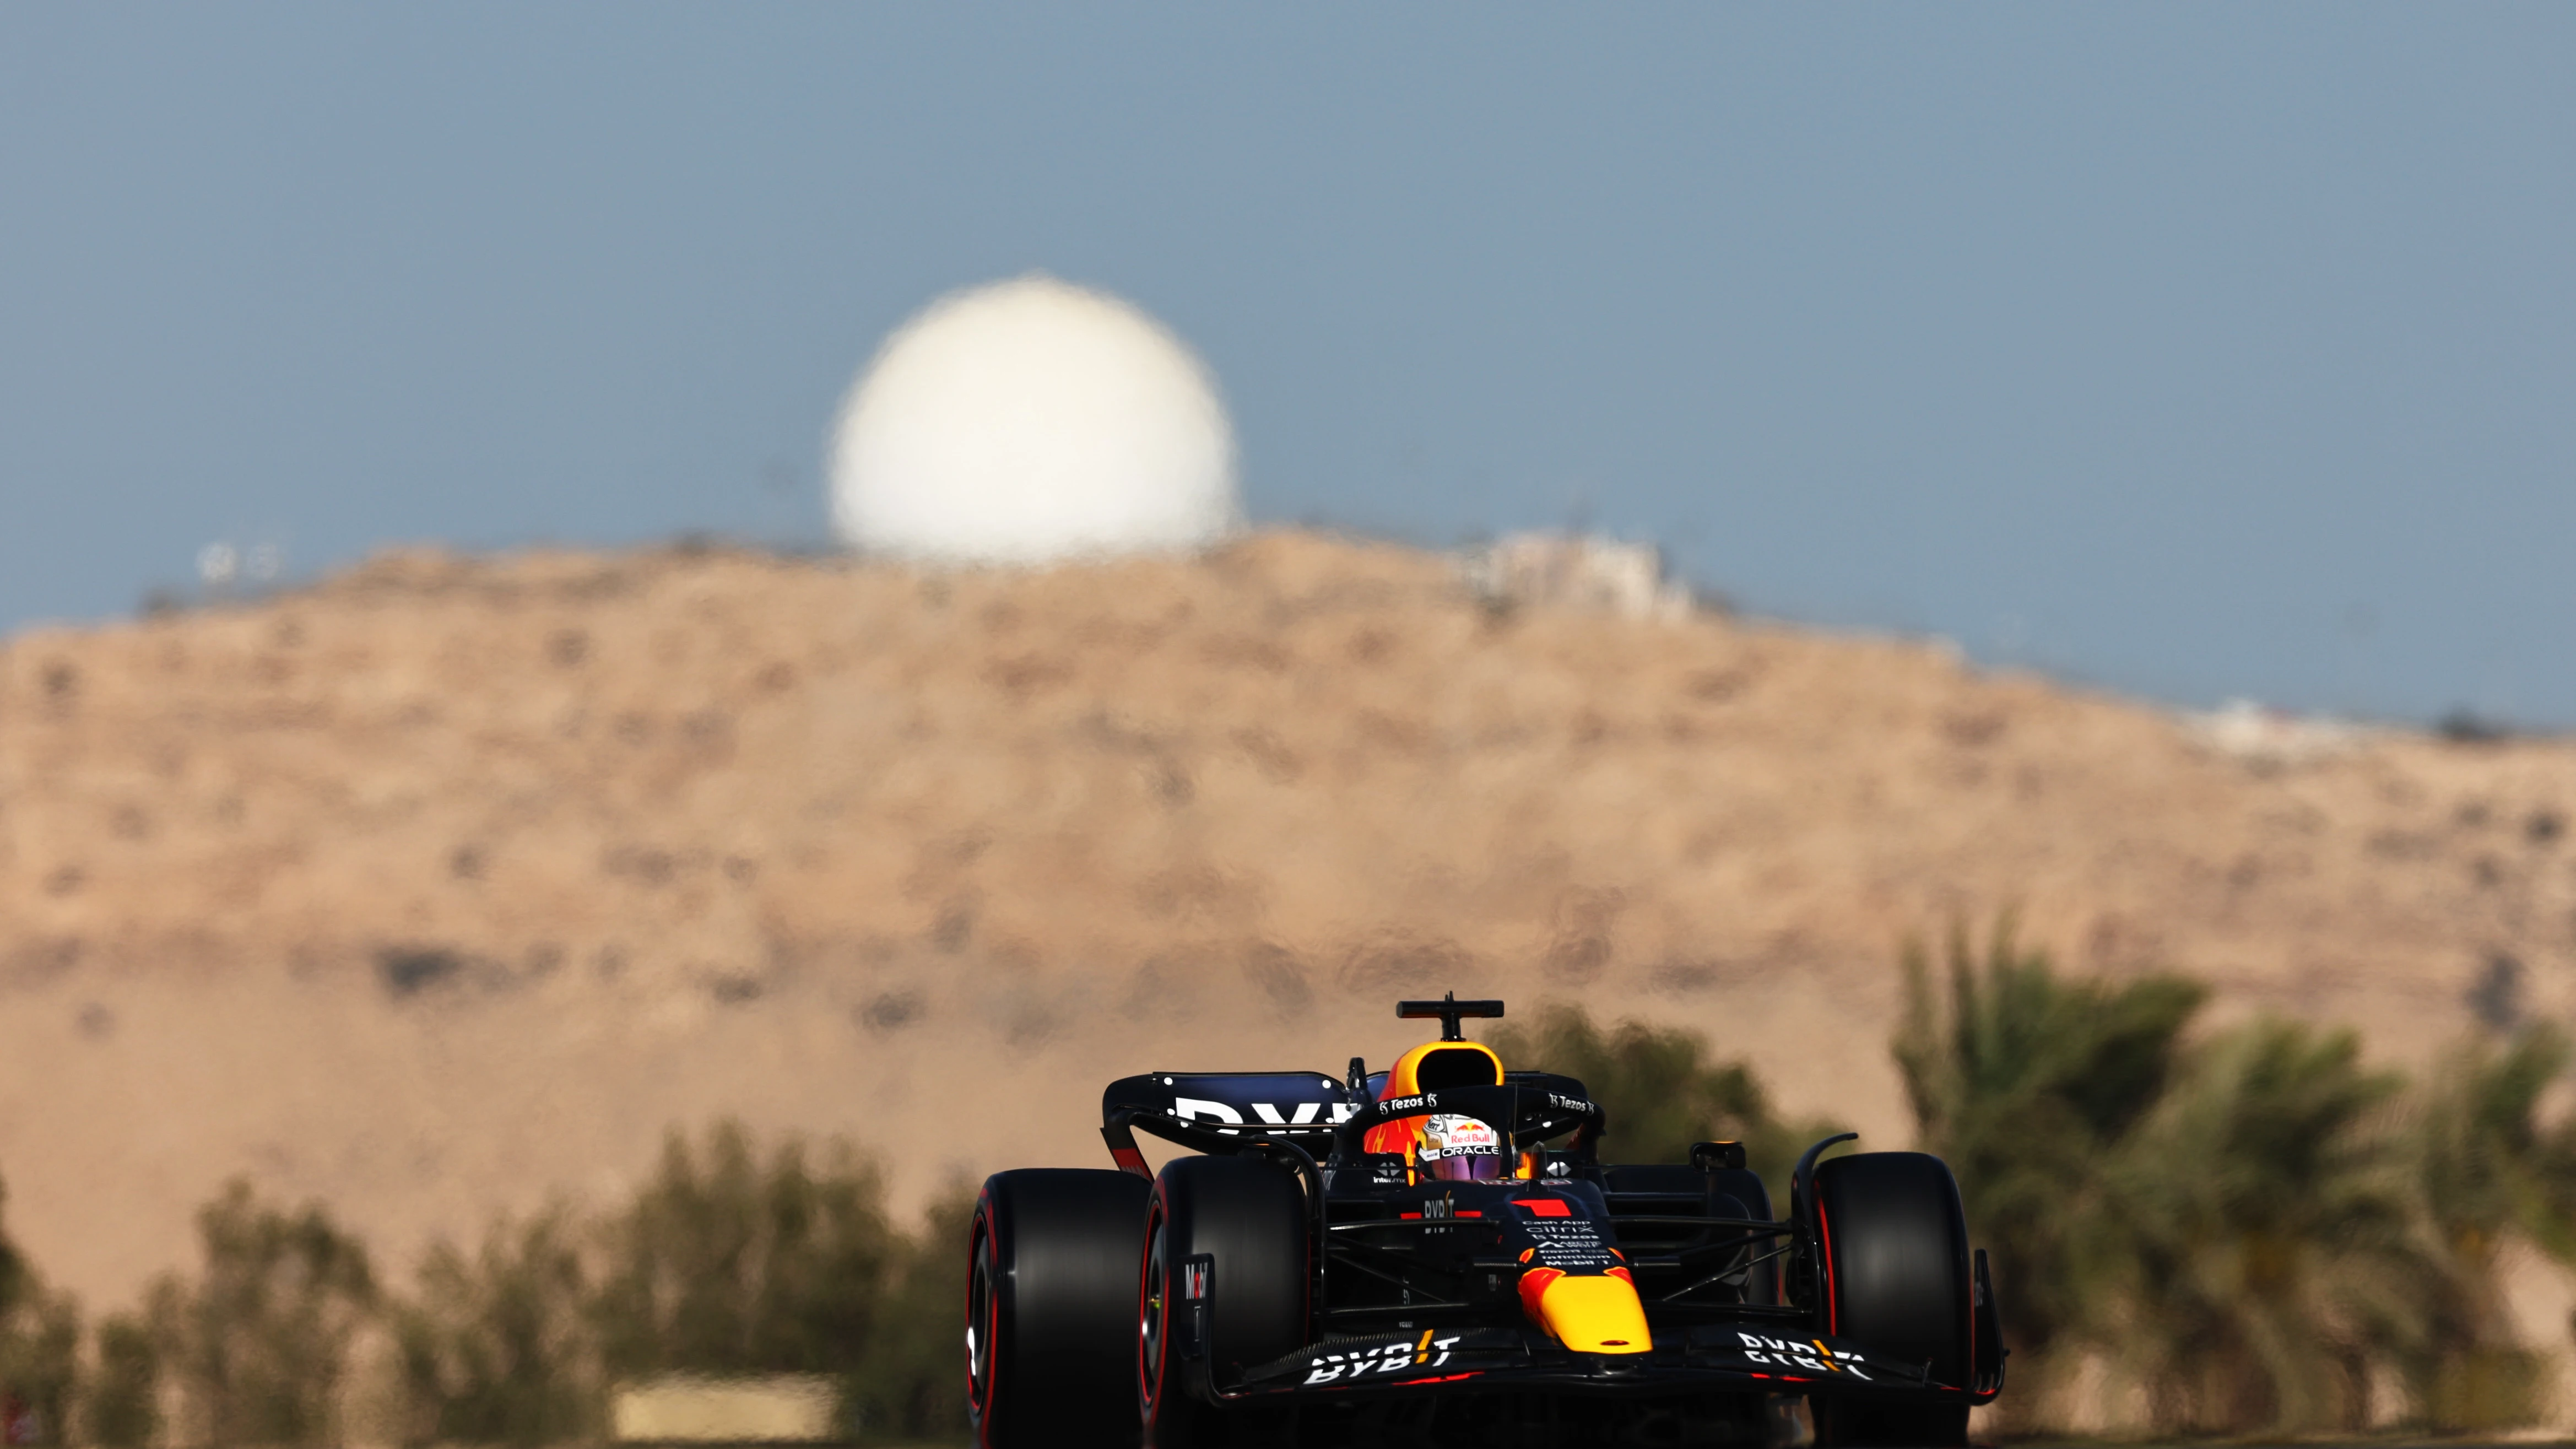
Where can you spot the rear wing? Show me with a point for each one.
(1315, 1116)
(1296, 1105)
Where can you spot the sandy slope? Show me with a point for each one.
(449, 884)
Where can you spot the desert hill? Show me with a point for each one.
(448, 884)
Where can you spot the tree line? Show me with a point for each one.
(2196, 1228)
(727, 1261)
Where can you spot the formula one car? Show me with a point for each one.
(1436, 1251)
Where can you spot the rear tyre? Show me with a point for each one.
(1050, 1300)
(1896, 1282)
(1250, 1218)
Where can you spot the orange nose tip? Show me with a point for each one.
(1587, 1314)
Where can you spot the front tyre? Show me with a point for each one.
(1897, 1280)
(1249, 1218)
(1050, 1294)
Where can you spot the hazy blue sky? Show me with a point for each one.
(2194, 350)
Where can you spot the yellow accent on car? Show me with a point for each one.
(1445, 1064)
(1595, 1315)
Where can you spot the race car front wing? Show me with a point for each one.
(1700, 1358)
(1704, 1357)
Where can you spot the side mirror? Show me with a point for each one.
(1709, 1156)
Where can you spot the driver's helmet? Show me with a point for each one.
(1445, 1146)
(1458, 1149)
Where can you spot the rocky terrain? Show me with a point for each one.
(447, 885)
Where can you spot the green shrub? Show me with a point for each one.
(725, 1265)
(39, 1341)
(1659, 1091)
(121, 1408)
(495, 1349)
(17, 1280)
(911, 1385)
(2485, 1389)
(259, 1343)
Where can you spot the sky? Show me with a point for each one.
(2189, 351)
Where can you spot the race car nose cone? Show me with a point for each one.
(1588, 1314)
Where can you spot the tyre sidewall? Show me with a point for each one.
(1897, 1283)
(1049, 1271)
(1248, 1216)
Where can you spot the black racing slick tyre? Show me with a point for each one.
(1050, 1306)
(1248, 1218)
(1897, 1282)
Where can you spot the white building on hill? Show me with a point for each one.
(1590, 573)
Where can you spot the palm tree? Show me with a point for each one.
(2487, 1171)
(2272, 1219)
(2030, 1085)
